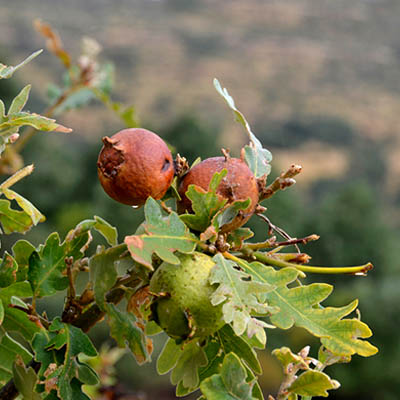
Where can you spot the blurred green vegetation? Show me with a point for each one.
(350, 213)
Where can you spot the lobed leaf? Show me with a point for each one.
(251, 378)
(224, 216)
(205, 204)
(10, 349)
(191, 358)
(312, 383)
(126, 333)
(46, 268)
(241, 296)
(163, 236)
(13, 220)
(231, 343)
(168, 357)
(74, 342)
(34, 214)
(22, 250)
(215, 358)
(286, 357)
(109, 232)
(300, 306)
(227, 214)
(44, 355)
(25, 380)
(230, 383)
(238, 236)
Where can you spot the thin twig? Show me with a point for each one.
(272, 243)
(283, 181)
(280, 231)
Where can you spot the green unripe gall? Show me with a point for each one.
(184, 308)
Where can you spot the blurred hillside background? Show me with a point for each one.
(319, 82)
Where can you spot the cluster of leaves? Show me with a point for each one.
(85, 79)
(256, 287)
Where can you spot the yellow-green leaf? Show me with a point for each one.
(300, 306)
(241, 297)
(163, 236)
(312, 383)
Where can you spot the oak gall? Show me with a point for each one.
(183, 307)
(239, 184)
(133, 165)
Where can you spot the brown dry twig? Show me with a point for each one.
(283, 181)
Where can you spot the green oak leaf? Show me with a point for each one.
(77, 393)
(25, 380)
(126, 333)
(8, 270)
(231, 343)
(86, 374)
(21, 251)
(20, 289)
(327, 358)
(100, 225)
(190, 359)
(13, 220)
(257, 158)
(190, 364)
(223, 217)
(205, 204)
(9, 350)
(312, 383)
(216, 348)
(163, 236)
(230, 383)
(285, 356)
(74, 342)
(168, 357)
(215, 358)
(35, 215)
(238, 236)
(103, 274)
(251, 378)
(241, 296)
(16, 320)
(44, 355)
(300, 306)
(46, 268)
(73, 338)
(7, 71)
